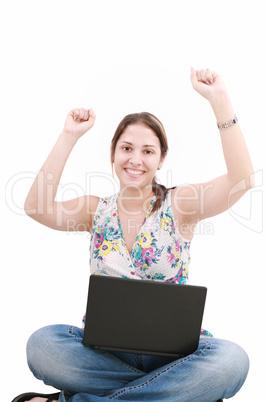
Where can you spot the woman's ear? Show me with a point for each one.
(112, 154)
(112, 160)
(162, 160)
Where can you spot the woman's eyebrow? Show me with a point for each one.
(144, 146)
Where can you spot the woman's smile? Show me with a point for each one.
(134, 172)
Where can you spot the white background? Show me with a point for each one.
(121, 57)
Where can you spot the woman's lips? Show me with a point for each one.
(134, 172)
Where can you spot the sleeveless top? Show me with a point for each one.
(158, 253)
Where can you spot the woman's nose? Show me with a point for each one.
(135, 160)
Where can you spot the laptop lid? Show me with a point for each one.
(145, 317)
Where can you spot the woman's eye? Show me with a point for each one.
(147, 151)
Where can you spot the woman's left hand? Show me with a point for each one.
(208, 84)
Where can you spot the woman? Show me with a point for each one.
(144, 232)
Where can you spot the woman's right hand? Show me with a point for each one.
(79, 121)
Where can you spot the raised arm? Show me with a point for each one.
(199, 201)
(40, 204)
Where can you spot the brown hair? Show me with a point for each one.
(155, 124)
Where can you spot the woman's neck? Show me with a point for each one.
(135, 199)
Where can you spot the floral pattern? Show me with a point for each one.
(159, 252)
(106, 240)
(145, 251)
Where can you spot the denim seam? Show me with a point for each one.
(127, 365)
(159, 374)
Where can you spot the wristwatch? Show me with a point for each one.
(227, 124)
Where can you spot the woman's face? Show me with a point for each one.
(137, 156)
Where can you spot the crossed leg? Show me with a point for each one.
(57, 356)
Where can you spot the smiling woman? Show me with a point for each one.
(144, 232)
(144, 137)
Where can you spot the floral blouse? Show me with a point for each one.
(158, 253)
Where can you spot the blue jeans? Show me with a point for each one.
(57, 356)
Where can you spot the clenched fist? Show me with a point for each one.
(208, 84)
(79, 121)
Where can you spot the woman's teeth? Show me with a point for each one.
(134, 172)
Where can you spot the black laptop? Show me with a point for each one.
(143, 317)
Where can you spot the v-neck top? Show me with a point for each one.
(158, 253)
